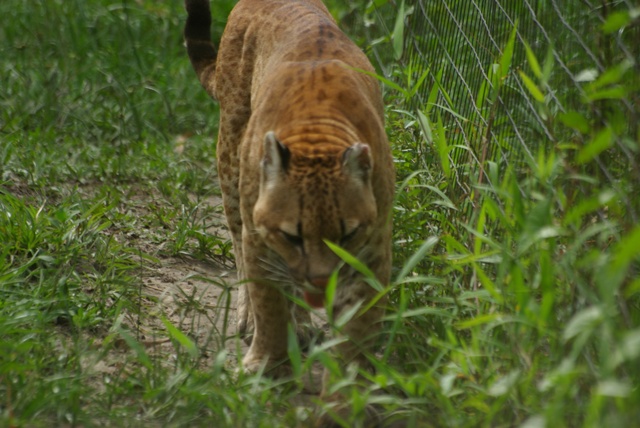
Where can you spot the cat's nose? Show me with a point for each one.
(319, 282)
(314, 293)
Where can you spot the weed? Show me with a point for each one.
(515, 299)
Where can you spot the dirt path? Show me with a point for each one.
(197, 297)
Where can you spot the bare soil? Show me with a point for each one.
(196, 296)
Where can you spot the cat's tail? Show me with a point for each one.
(197, 34)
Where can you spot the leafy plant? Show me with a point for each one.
(515, 299)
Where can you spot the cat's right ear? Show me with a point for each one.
(275, 160)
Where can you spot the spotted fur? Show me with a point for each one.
(302, 158)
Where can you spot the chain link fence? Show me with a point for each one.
(565, 60)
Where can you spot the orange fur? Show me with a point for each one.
(302, 157)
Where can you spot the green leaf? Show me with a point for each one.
(487, 283)
(616, 21)
(575, 120)
(444, 201)
(445, 94)
(433, 97)
(614, 388)
(584, 321)
(628, 348)
(419, 82)
(547, 67)
(533, 61)
(611, 76)
(330, 292)
(632, 288)
(398, 33)
(480, 230)
(504, 384)
(483, 92)
(423, 121)
(601, 142)
(533, 89)
(347, 315)
(387, 82)
(443, 147)
(577, 213)
(417, 257)
(614, 93)
(293, 350)
(143, 358)
(479, 320)
(421, 312)
(627, 250)
(507, 53)
(349, 259)
(439, 140)
(181, 338)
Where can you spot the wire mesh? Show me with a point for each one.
(460, 42)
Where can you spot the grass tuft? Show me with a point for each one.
(514, 303)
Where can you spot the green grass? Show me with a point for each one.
(527, 313)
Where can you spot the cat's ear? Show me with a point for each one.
(357, 162)
(275, 160)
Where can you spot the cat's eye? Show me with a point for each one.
(349, 236)
(293, 239)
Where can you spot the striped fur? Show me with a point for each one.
(302, 158)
